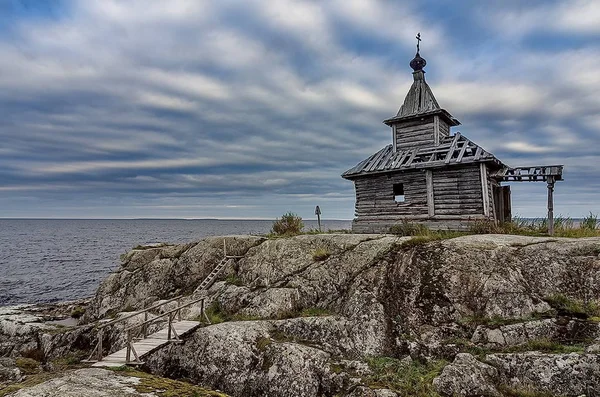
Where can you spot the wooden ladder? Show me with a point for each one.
(212, 276)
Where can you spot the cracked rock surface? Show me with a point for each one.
(371, 310)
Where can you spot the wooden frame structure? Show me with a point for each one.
(543, 173)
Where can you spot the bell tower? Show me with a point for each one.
(420, 121)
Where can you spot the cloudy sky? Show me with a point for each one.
(248, 109)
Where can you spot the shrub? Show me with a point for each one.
(289, 224)
(321, 254)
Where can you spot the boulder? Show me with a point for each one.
(467, 377)
(9, 373)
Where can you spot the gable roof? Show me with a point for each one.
(452, 150)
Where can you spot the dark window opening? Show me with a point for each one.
(399, 193)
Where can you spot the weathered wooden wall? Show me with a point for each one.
(414, 133)
(458, 191)
(423, 131)
(453, 200)
(375, 196)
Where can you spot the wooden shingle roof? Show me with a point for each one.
(452, 150)
(420, 101)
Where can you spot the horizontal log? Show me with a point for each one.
(410, 123)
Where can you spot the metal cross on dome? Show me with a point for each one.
(418, 41)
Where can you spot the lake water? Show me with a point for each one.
(46, 260)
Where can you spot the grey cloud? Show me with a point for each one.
(178, 109)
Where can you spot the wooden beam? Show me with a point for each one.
(430, 198)
(462, 152)
(452, 147)
(436, 130)
(484, 189)
(394, 138)
(551, 205)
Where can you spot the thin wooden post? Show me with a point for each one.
(202, 307)
(100, 337)
(145, 327)
(430, 196)
(484, 190)
(128, 354)
(551, 205)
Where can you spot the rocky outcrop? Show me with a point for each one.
(557, 374)
(304, 316)
(43, 331)
(152, 273)
(546, 374)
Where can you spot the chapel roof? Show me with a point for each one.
(452, 150)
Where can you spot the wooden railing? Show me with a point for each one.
(172, 313)
(98, 349)
(171, 332)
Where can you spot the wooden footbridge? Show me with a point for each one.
(137, 347)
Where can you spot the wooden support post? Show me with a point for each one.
(100, 337)
(436, 130)
(128, 354)
(484, 190)
(430, 199)
(170, 323)
(551, 205)
(202, 308)
(224, 249)
(145, 327)
(137, 358)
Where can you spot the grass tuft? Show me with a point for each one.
(408, 379)
(544, 345)
(315, 312)
(165, 387)
(234, 279)
(263, 343)
(573, 307)
(78, 311)
(321, 253)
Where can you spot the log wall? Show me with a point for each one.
(458, 191)
(453, 200)
(375, 195)
(414, 133)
